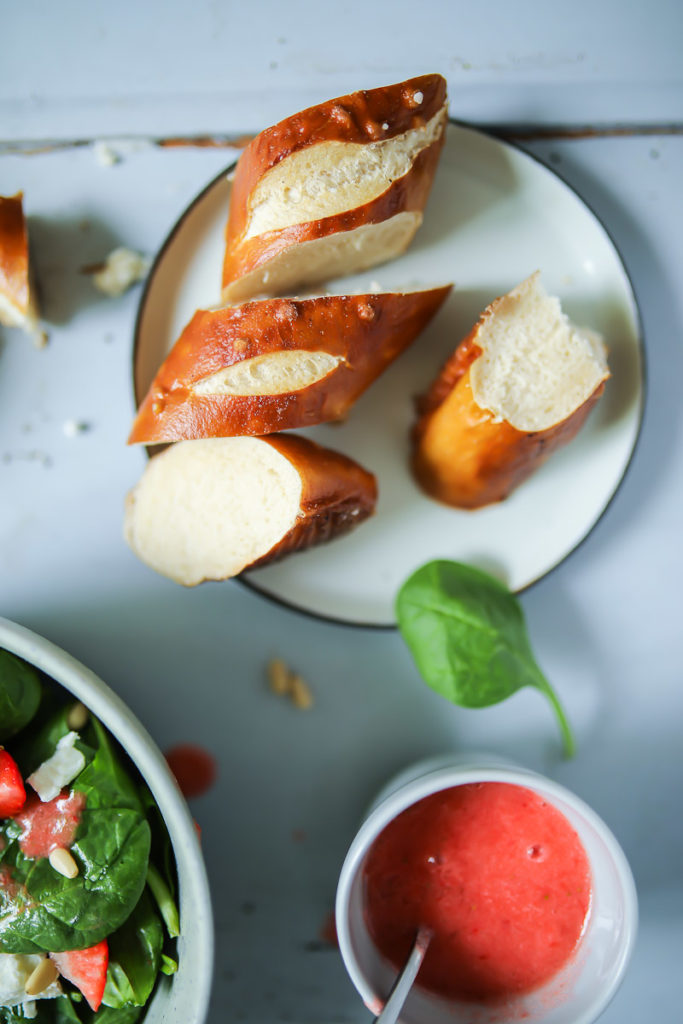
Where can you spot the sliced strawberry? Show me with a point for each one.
(12, 792)
(86, 969)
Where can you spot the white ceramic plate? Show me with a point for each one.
(495, 215)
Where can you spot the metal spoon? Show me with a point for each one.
(404, 982)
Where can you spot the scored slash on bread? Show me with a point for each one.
(209, 509)
(278, 364)
(18, 306)
(334, 189)
(519, 386)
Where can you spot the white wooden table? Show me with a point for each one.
(597, 94)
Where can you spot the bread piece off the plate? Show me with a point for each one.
(516, 389)
(334, 189)
(208, 509)
(18, 306)
(278, 364)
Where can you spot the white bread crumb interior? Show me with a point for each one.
(319, 259)
(206, 509)
(332, 177)
(536, 368)
(273, 374)
(14, 315)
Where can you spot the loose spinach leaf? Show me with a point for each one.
(42, 910)
(134, 957)
(20, 691)
(467, 634)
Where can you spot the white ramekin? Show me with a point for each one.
(184, 997)
(582, 990)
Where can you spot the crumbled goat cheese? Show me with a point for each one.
(59, 770)
(15, 970)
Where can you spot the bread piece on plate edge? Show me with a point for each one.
(209, 509)
(18, 304)
(334, 189)
(278, 364)
(517, 388)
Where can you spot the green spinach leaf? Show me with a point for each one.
(168, 964)
(467, 634)
(134, 957)
(165, 902)
(40, 742)
(47, 1011)
(65, 1011)
(11, 1015)
(112, 1015)
(20, 691)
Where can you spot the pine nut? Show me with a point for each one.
(300, 692)
(279, 677)
(77, 716)
(62, 861)
(41, 978)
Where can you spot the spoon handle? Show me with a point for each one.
(404, 983)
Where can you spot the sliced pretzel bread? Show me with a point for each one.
(517, 388)
(278, 364)
(208, 509)
(18, 307)
(334, 189)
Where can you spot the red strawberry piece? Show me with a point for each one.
(86, 969)
(12, 792)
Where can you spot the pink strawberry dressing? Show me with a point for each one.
(500, 877)
(47, 826)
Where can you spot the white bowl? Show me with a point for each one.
(582, 990)
(183, 998)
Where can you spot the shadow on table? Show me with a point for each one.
(63, 251)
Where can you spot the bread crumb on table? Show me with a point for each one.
(105, 155)
(72, 428)
(121, 269)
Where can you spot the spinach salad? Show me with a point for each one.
(88, 914)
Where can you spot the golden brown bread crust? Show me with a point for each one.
(357, 118)
(462, 456)
(14, 256)
(337, 494)
(365, 331)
